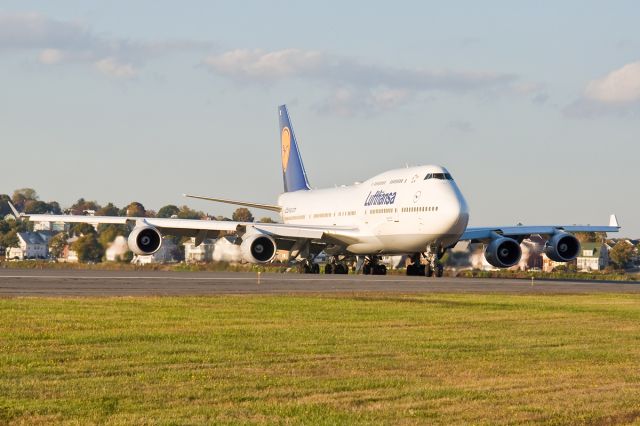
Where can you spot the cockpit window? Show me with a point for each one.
(440, 176)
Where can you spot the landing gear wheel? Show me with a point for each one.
(315, 268)
(303, 268)
(366, 269)
(439, 271)
(428, 271)
(328, 268)
(412, 271)
(341, 269)
(379, 270)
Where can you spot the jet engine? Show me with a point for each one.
(503, 252)
(144, 240)
(258, 248)
(562, 247)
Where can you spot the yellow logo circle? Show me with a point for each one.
(286, 147)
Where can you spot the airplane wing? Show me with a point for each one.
(484, 234)
(199, 228)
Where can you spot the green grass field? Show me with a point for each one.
(482, 359)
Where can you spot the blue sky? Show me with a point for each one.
(533, 108)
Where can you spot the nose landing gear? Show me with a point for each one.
(372, 266)
(432, 266)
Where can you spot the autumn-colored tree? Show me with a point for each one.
(590, 237)
(266, 220)
(622, 253)
(242, 214)
(21, 196)
(135, 209)
(57, 245)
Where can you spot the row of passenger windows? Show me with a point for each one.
(350, 213)
(441, 176)
(298, 217)
(318, 215)
(420, 209)
(380, 211)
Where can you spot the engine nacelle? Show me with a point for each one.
(562, 247)
(258, 248)
(144, 240)
(503, 252)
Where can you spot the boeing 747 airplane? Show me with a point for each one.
(415, 211)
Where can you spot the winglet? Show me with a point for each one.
(14, 211)
(613, 221)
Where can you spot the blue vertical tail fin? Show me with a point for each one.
(293, 173)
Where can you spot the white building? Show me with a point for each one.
(221, 250)
(201, 253)
(166, 254)
(31, 245)
(593, 257)
(117, 249)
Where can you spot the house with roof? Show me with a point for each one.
(592, 257)
(31, 245)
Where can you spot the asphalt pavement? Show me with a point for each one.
(15, 282)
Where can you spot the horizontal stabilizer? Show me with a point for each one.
(270, 207)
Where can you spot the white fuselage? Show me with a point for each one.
(395, 212)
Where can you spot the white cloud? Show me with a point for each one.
(621, 86)
(113, 68)
(354, 85)
(58, 42)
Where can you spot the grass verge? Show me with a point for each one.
(369, 359)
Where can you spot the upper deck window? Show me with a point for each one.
(440, 176)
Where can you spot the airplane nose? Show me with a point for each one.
(458, 212)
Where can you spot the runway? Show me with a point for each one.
(15, 282)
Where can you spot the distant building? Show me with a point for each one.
(223, 249)
(201, 253)
(31, 245)
(69, 255)
(51, 226)
(592, 257)
(166, 254)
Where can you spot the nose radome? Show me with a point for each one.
(457, 212)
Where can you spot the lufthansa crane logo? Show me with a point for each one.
(286, 147)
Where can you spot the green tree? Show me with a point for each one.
(36, 207)
(80, 206)
(53, 207)
(57, 244)
(10, 239)
(4, 206)
(77, 229)
(621, 253)
(188, 213)
(242, 214)
(108, 210)
(168, 211)
(107, 232)
(88, 248)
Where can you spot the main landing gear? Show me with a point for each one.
(307, 267)
(335, 267)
